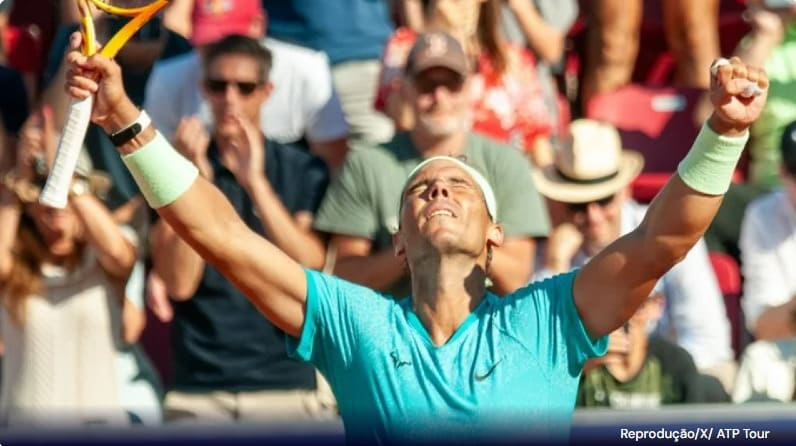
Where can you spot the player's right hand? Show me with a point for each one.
(97, 75)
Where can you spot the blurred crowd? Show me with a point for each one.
(309, 114)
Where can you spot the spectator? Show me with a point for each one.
(507, 100)
(231, 364)
(140, 388)
(767, 253)
(352, 33)
(26, 31)
(592, 176)
(14, 100)
(542, 27)
(154, 42)
(642, 371)
(302, 106)
(767, 245)
(359, 210)
(613, 30)
(64, 329)
(771, 44)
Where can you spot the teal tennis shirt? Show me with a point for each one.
(510, 371)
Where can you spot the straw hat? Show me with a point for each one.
(592, 166)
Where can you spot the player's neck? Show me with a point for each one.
(445, 294)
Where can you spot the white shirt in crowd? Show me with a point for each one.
(303, 102)
(768, 254)
(768, 262)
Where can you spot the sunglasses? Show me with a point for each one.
(220, 86)
(582, 207)
(426, 85)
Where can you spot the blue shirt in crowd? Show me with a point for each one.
(510, 371)
(345, 30)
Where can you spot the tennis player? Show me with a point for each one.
(452, 362)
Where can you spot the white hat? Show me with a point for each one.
(593, 166)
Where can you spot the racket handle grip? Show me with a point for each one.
(56, 190)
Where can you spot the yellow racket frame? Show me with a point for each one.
(139, 16)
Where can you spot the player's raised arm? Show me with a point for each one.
(610, 288)
(196, 210)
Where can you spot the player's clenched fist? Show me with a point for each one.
(99, 76)
(738, 92)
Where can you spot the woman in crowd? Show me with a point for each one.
(65, 323)
(507, 102)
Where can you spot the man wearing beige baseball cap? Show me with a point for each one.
(591, 178)
(359, 209)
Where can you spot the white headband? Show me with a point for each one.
(480, 180)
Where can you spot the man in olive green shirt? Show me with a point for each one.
(360, 209)
(771, 43)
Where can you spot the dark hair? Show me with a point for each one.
(242, 45)
(490, 35)
(25, 278)
(788, 148)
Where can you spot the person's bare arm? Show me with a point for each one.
(546, 41)
(610, 288)
(293, 234)
(355, 262)
(157, 298)
(181, 278)
(411, 14)
(10, 212)
(512, 264)
(177, 17)
(275, 283)
(755, 48)
(777, 322)
(114, 251)
(10, 208)
(562, 246)
(133, 321)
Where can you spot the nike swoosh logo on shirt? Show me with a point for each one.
(480, 377)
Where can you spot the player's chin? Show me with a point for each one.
(442, 237)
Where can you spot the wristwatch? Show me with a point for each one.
(131, 131)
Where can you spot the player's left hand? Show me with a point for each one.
(738, 92)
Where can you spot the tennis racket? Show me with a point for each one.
(56, 189)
